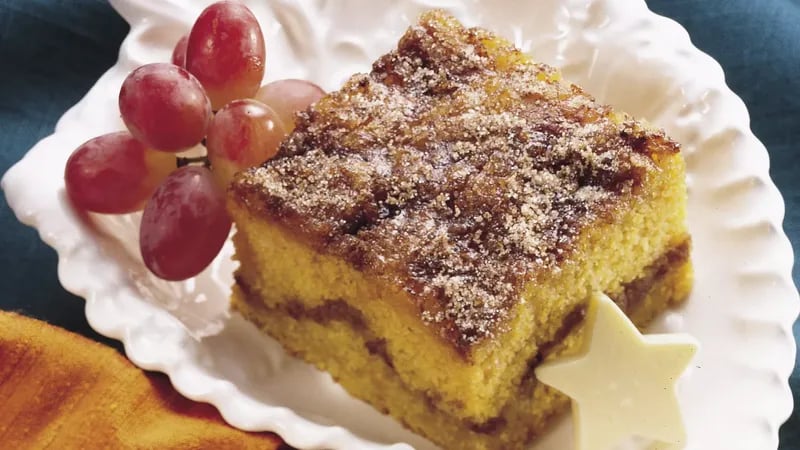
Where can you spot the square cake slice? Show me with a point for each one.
(434, 229)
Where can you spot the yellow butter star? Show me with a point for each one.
(622, 383)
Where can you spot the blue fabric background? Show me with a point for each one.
(52, 51)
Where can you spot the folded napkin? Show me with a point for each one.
(60, 390)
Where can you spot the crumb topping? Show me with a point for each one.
(457, 169)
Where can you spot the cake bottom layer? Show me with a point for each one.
(334, 338)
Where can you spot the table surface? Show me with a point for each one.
(52, 51)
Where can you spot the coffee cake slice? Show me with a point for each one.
(433, 230)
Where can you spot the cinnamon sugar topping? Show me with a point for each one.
(457, 169)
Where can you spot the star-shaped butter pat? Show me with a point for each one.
(622, 383)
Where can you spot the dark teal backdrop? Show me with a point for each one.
(52, 51)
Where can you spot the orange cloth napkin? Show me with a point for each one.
(60, 390)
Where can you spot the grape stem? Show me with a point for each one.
(192, 160)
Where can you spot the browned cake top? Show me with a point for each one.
(456, 169)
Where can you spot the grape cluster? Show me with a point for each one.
(209, 94)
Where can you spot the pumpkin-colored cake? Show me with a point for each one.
(433, 230)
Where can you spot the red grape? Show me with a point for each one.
(165, 107)
(226, 52)
(115, 174)
(242, 134)
(184, 224)
(287, 97)
(179, 52)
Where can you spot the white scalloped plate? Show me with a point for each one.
(741, 310)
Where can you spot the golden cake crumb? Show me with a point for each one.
(431, 231)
